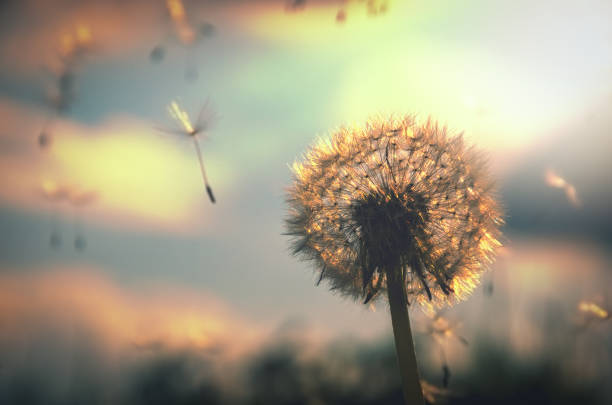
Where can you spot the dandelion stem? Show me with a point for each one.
(199, 153)
(404, 346)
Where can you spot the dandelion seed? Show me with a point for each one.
(206, 119)
(489, 288)
(80, 243)
(79, 199)
(207, 30)
(54, 192)
(432, 393)
(157, 54)
(295, 5)
(591, 309)
(183, 28)
(590, 313)
(73, 47)
(74, 196)
(55, 240)
(44, 139)
(375, 7)
(75, 44)
(441, 331)
(556, 181)
(394, 231)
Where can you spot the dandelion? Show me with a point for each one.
(400, 208)
(206, 119)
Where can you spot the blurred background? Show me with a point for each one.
(120, 281)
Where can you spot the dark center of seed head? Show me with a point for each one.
(388, 225)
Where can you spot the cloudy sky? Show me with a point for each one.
(530, 83)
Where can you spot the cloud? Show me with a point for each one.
(143, 178)
(119, 318)
(117, 28)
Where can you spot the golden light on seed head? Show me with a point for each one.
(395, 194)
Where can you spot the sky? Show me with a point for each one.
(529, 84)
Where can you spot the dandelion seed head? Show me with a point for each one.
(394, 194)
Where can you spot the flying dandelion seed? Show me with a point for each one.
(397, 207)
(295, 5)
(556, 181)
(341, 16)
(207, 30)
(187, 33)
(157, 54)
(183, 28)
(590, 313)
(53, 192)
(205, 120)
(441, 331)
(79, 199)
(44, 139)
(55, 240)
(76, 44)
(431, 393)
(73, 48)
(593, 310)
(375, 7)
(489, 287)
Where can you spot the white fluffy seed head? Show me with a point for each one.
(395, 195)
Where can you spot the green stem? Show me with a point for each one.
(404, 346)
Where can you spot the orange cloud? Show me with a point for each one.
(53, 27)
(142, 178)
(50, 28)
(172, 318)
